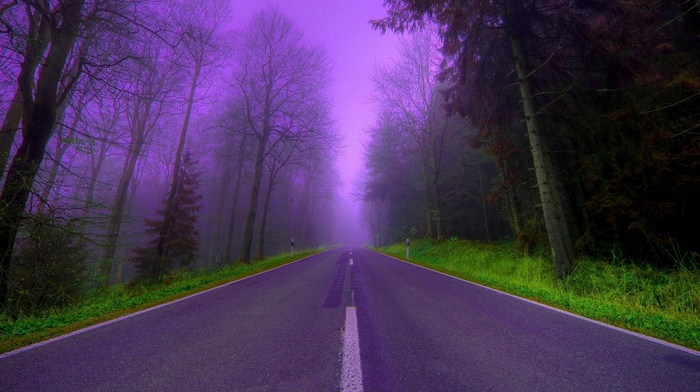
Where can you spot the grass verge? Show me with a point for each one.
(662, 304)
(120, 300)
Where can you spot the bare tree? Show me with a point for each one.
(36, 39)
(65, 135)
(104, 115)
(373, 212)
(280, 80)
(40, 96)
(150, 90)
(201, 21)
(409, 90)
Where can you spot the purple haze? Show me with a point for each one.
(343, 29)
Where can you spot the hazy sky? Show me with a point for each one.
(342, 27)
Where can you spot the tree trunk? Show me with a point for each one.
(303, 238)
(117, 213)
(61, 148)
(168, 216)
(38, 117)
(96, 169)
(214, 245)
(37, 41)
(263, 221)
(9, 130)
(483, 204)
(236, 192)
(437, 195)
(254, 195)
(545, 171)
(428, 208)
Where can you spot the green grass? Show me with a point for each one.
(121, 300)
(663, 304)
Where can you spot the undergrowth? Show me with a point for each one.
(663, 304)
(124, 299)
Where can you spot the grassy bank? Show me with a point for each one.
(120, 300)
(663, 304)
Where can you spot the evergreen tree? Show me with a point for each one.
(180, 241)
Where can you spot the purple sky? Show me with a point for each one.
(342, 28)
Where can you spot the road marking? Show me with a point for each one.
(130, 315)
(350, 261)
(578, 316)
(351, 379)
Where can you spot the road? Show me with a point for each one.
(289, 330)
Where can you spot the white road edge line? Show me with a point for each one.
(130, 315)
(602, 324)
(351, 379)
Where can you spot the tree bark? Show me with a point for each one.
(428, 206)
(214, 244)
(483, 204)
(95, 172)
(61, 149)
(263, 221)
(545, 171)
(38, 40)
(117, 214)
(254, 196)
(168, 216)
(9, 130)
(38, 117)
(437, 194)
(236, 192)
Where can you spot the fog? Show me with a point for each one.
(140, 138)
(205, 135)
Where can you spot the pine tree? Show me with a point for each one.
(180, 240)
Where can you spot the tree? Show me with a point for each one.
(280, 81)
(107, 111)
(590, 76)
(477, 20)
(60, 28)
(373, 213)
(66, 137)
(409, 89)
(181, 244)
(62, 41)
(235, 141)
(200, 22)
(393, 187)
(50, 265)
(148, 96)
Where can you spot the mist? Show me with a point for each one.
(185, 144)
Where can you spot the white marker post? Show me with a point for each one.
(408, 246)
(291, 243)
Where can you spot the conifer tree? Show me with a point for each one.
(180, 241)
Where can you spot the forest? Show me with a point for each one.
(571, 127)
(140, 138)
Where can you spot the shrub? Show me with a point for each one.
(48, 268)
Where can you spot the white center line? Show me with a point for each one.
(351, 379)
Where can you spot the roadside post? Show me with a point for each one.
(408, 247)
(291, 243)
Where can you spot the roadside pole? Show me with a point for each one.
(408, 247)
(291, 243)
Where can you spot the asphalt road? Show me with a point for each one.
(417, 331)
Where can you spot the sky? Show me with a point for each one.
(342, 28)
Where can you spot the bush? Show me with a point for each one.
(48, 268)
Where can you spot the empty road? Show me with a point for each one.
(351, 319)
